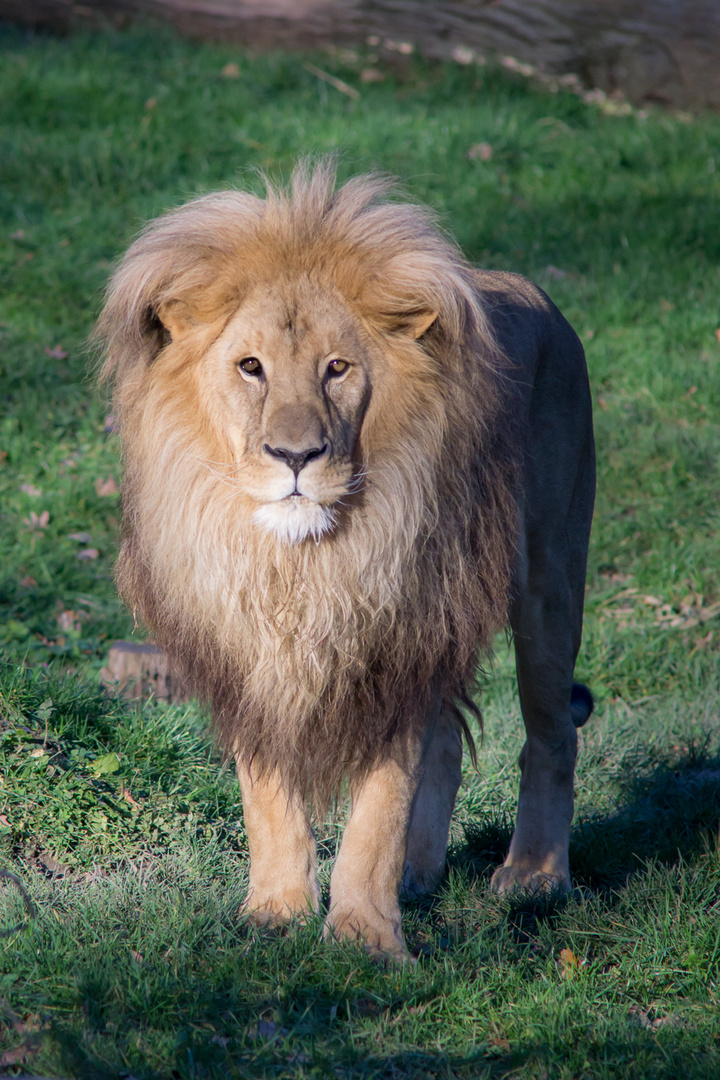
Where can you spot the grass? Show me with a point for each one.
(121, 823)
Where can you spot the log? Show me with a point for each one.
(665, 51)
(138, 671)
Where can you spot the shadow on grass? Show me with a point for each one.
(221, 1025)
(319, 1039)
(667, 813)
(284, 1007)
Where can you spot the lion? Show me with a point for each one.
(351, 460)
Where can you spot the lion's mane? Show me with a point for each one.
(315, 656)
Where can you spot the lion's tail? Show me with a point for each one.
(581, 704)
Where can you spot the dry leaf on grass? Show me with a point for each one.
(87, 554)
(569, 963)
(71, 620)
(405, 48)
(645, 1020)
(511, 64)
(267, 1029)
(461, 54)
(616, 577)
(480, 152)
(106, 487)
(46, 861)
(57, 352)
(17, 1055)
(230, 71)
(37, 522)
(628, 607)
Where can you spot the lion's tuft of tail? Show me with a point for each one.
(581, 704)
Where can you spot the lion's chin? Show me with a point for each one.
(294, 519)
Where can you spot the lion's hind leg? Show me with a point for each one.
(547, 623)
(283, 880)
(557, 491)
(432, 807)
(538, 857)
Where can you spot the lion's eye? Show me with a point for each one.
(337, 368)
(250, 366)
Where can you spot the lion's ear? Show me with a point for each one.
(177, 318)
(416, 323)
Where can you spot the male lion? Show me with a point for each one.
(351, 460)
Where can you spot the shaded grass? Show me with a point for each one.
(87, 780)
(123, 826)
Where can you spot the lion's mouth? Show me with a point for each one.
(295, 518)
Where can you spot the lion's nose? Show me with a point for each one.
(296, 459)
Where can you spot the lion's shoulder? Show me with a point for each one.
(526, 322)
(501, 289)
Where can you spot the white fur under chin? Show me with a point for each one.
(294, 519)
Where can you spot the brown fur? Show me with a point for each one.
(315, 655)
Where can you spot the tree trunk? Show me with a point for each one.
(652, 50)
(136, 670)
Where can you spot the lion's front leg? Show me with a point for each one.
(283, 879)
(366, 879)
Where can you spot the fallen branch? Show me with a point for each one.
(666, 51)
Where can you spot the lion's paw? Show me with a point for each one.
(272, 912)
(418, 881)
(516, 879)
(380, 937)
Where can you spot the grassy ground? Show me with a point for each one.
(120, 823)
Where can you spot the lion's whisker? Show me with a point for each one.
(227, 480)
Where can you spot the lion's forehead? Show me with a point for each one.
(295, 319)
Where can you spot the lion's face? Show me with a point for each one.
(288, 382)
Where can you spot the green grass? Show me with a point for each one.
(121, 823)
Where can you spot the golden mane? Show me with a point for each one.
(314, 656)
